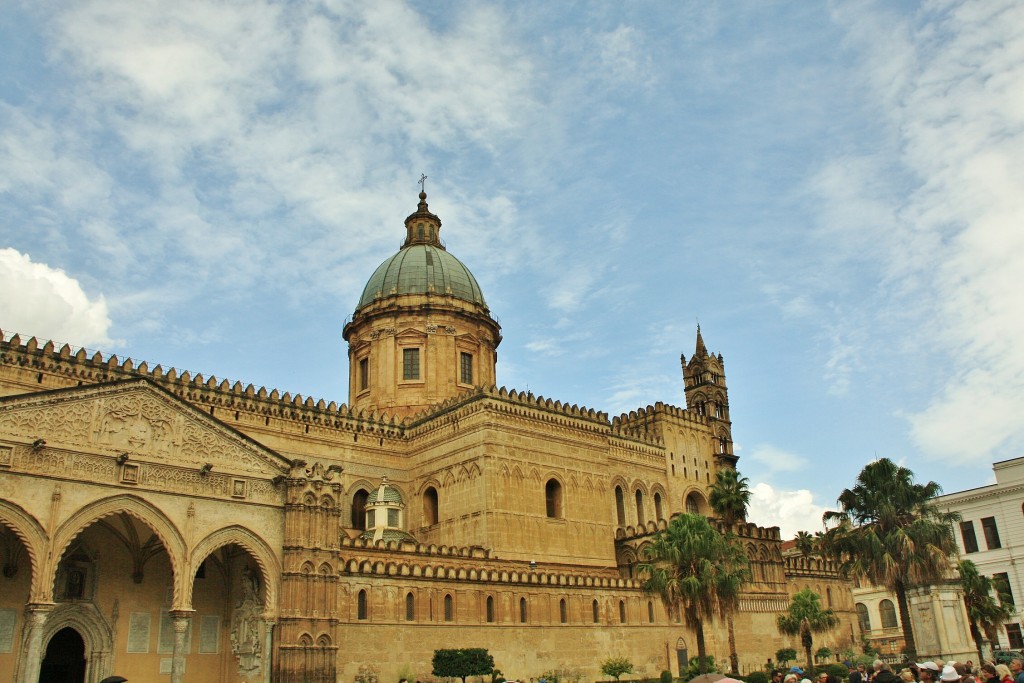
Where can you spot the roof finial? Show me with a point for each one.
(423, 183)
(701, 350)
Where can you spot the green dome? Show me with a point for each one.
(389, 535)
(385, 493)
(422, 269)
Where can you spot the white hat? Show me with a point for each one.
(949, 674)
(931, 666)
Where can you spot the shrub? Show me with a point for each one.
(758, 677)
(838, 670)
(666, 677)
(616, 666)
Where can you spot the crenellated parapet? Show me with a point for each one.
(512, 403)
(464, 564)
(798, 565)
(70, 367)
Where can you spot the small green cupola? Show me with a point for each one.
(385, 515)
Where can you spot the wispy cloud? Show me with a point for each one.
(950, 84)
(775, 460)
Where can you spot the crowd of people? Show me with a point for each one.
(923, 672)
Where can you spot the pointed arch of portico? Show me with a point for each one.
(142, 510)
(31, 533)
(95, 630)
(266, 560)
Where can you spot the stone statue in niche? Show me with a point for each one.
(245, 624)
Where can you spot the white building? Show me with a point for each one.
(991, 534)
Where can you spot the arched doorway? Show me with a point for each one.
(682, 657)
(64, 661)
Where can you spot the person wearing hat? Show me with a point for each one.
(949, 675)
(796, 670)
(929, 671)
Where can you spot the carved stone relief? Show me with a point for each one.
(246, 636)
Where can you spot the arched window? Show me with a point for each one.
(622, 612)
(691, 505)
(658, 512)
(430, 506)
(828, 596)
(359, 509)
(620, 506)
(522, 610)
(490, 610)
(361, 605)
(863, 617)
(640, 516)
(448, 608)
(410, 607)
(562, 612)
(597, 612)
(888, 613)
(650, 611)
(553, 498)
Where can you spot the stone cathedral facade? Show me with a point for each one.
(165, 526)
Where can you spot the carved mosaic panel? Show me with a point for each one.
(135, 421)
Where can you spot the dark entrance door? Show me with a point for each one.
(65, 658)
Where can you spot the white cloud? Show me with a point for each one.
(774, 459)
(791, 511)
(44, 302)
(939, 208)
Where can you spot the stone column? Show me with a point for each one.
(268, 643)
(35, 619)
(180, 618)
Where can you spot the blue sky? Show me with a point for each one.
(834, 190)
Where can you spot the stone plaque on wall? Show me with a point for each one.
(138, 632)
(166, 664)
(209, 634)
(8, 617)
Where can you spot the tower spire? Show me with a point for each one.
(701, 350)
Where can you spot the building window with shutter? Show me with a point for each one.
(988, 525)
(410, 363)
(364, 373)
(970, 540)
(466, 368)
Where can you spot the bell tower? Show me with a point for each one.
(707, 395)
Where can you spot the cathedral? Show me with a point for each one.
(161, 525)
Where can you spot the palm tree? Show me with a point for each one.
(984, 612)
(804, 618)
(697, 571)
(730, 496)
(805, 543)
(890, 533)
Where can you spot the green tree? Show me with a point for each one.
(730, 496)
(805, 543)
(890, 533)
(460, 663)
(696, 570)
(785, 655)
(984, 612)
(804, 618)
(616, 666)
(823, 654)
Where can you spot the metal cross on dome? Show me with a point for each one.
(423, 183)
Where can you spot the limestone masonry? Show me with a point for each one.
(164, 526)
